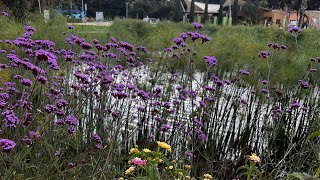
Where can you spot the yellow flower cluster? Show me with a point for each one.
(146, 150)
(164, 145)
(129, 171)
(134, 150)
(169, 167)
(207, 176)
(254, 158)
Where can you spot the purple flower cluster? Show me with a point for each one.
(7, 145)
(10, 119)
(294, 29)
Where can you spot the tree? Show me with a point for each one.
(19, 8)
(192, 8)
(252, 13)
(235, 11)
(220, 16)
(176, 12)
(303, 7)
(206, 17)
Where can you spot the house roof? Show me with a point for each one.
(200, 7)
(230, 3)
(212, 8)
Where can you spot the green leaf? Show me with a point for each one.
(317, 173)
(313, 135)
(296, 175)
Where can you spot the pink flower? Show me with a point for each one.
(139, 161)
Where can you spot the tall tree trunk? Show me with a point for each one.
(220, 16)
(303, 8)
(192, 11)
(206, 17)
(235, 8)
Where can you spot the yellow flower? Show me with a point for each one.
(164, 145)
(180, 174)
(180, 161)
(169, 168)
(187, 166)
(254, 158)
(121, 178)
(134, 150)
(173, 161)
(188, 177)
(207, 176)
(146, 150)
(129, 171)
(160, 161)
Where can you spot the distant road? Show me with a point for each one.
(108, 23)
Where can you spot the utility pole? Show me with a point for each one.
(82, 13)
(39, 6)
(127, 10)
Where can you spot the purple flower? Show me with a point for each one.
(7, 145)
(26, 140)
(210, 60)
(264, 54)
(183, 36)
(71, 120)
(57, 153)
(5, 14)
(264, 91)
(50, 108)
(71, 165)
(244, 101)
(197, 25)
(70, 27)
(62, 103)
(295, 104)
(26, 82)
(60, 122)
(10, 119)
(304, 84)
(204, 38)
(42, 79)
(202, 104)
(30, 29)
(189, 154)
(165, 127)
(96, 138)
(294, 29)
(244, 72)
(264, 81)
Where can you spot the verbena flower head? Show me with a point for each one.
(210, 60)
(264, 54)
(70, 27)
(295, 29)
(26, 82)
(244, 72)
(6, 14)
(304, 84)
(295, 104)
(197, 25)
(7, 145)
